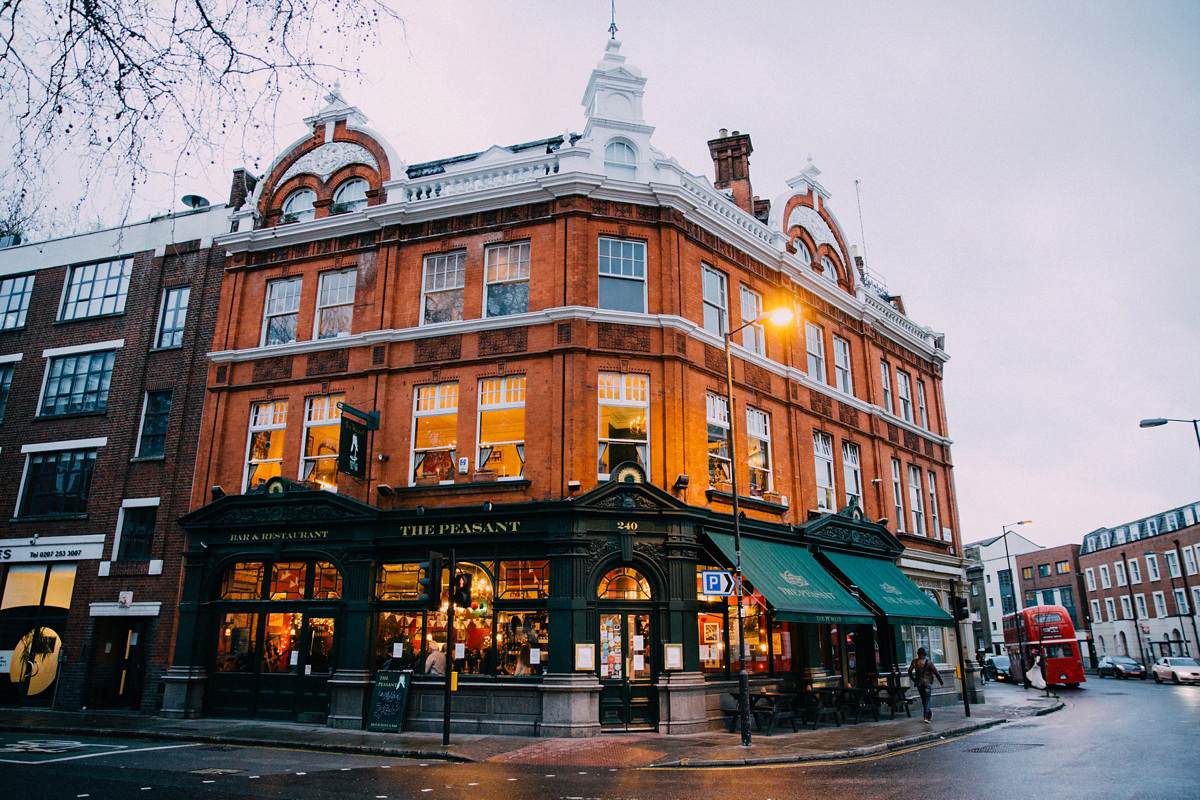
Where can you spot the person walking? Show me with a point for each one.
(922, 673)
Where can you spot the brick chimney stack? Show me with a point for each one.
(731, 157)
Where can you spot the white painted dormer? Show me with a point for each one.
(616, 134)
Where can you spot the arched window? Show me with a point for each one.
(829, 270)
(1122, 644)
(1103, 648)
(624, 584)
(350, 196)
(299, 206)
(802, 251)
(620, 161)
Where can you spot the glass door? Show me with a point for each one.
(626, 669)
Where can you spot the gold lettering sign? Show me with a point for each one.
(457, 528)
(278, 536)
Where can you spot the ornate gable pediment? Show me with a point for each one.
(848, 529)
(292, 504)
(632, 496)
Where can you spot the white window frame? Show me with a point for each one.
(94, 443)
(758, 428)
(814, 344)
(1119, 572)
(354, 203)
(1105, 582)
(754, 336)
(716, 414)
(718, 304)
(1160, 605)
(843, 374)
(1189, 561)
(620, 160)
(1152, 572)
(334, 298)
(131, 502)
(515, 271)
(1182, 606)
(886, 375)
(633, 391)
(904, 394)
(124, 274)
(829, 270)
(304, 214)
(852, 473)
(447, 272)
(921, 407)
(1111, 606)
(1151, 526)
(935, 515)
(916, 497)
(286, 305)
(510, 394)
(1126, 607)
(320, 411)
(162, 317)
(142, 422)
(898, 494)
(823, 465)
(1141, 606)
(440, 397)
(12, 314)
(1096, 615)
(277, 414)
(1135, 573)
(1172, 522)
(1189, 516)
(1091, 579)
(1172, 562)
(638, 246)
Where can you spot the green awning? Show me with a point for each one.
(890, 589)
(792, 581)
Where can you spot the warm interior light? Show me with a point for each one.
(780, 316)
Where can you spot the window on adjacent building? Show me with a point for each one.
(97, 289)
(350, 196)
(173, 316)
(435, 431)
(1151, 527)
(502, 426)
(1127, 608)
(506, 279)
(1135, 573)
(1172, 563)
(841, 365)
(1096, 616)
(758, 455)
(335, 303)
(852, 473)
(622, 267)
(1160, 605)
(6, 376)
(156, 411)
(57, 483)
(886, 378)
(1027, 573)
(282, 311)
(1062, 567)
(322, 437)
(1181, 603)
(753, 335)
(1105, 582)
(1091, 578)
(1030, 597)
(904, 394)
(917, 500)
(802, 252)
(264, 459)
(823, 460)
(77, 384)
(1043, 570)
(1189, 557)
(814, 342)
(442, 289)
(1172, 521)
(624, 413)
(620, 161)
(1119, 571)
(1152, 566)
(921, 407)
(716, 301)
(1111, 606)
(14, 301)
(136, 531)
(829, 270)
(898, 494)
(935, 515)
(299, 206)
(717, 415)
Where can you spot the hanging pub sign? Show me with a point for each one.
(352, 449)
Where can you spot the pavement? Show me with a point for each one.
(711, 749)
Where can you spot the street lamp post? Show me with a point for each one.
(780, 316)
(1012, 577)
(1137, 621)
(1187, 595)
(1157, 421)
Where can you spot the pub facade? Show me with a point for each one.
(535, 334)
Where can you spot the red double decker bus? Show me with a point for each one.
(1045, 632)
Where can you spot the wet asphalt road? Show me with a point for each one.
(1124, 739)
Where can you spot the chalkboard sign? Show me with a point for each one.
(389, 701)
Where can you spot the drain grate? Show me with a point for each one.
(1115, 694)
(1004, 748)
(220, 748)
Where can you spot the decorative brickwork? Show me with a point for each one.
(795, 391)
(504, 340)
(714, 359)
(680, 341)
(442, 348)
(929, 448)
(222, 373)
(564, 333)
(378, 354)
(624, 337)
(328, 362)
(820, 403)
(847, 414)
(912, 441)
(893, 434)
(273, 369)
(758, 377)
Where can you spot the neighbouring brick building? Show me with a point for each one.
(540, 329)
(1051, 577)
(1143, 586)
(103, 339)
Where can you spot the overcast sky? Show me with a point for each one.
(1030, 181)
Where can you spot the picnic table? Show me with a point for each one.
(896, 697)
(771, 707)
(857, 702)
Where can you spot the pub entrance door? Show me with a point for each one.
(626, 685)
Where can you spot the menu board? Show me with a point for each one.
(389, 701)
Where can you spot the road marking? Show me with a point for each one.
(208, 781)
(105, 753)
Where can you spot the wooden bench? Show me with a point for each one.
(816, 706)
(896, 698)
(857, 702)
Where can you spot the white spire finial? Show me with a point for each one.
(612, 29)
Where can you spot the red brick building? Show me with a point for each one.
(540, 329)
(1052, 577)
(103, 339)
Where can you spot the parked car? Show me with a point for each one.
(1176, 670)
(1120, 667)
(995, 668)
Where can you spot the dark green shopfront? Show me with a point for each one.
(586, 614)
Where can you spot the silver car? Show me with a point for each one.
(1176, 670)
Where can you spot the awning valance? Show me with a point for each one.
(889, 589)
(792, 581)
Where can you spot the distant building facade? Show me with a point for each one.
(1051, 577)
(998, 583)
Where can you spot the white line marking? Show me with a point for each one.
(512, 779)
(301, 773)
(208, 781)
(252, 777)
(472, 784)
(106, 753)
(345, 769)
(146, 788)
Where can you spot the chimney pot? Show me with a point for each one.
(723, 132)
